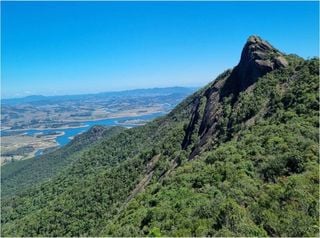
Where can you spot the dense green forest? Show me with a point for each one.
(237, 158)
(18, 176)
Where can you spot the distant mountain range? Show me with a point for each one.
(115, 94)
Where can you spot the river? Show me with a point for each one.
(64, 138)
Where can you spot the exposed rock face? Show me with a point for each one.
(258, 58)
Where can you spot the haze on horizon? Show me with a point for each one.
(59, 48)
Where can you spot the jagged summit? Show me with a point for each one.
(262, 53)
(257, 41)
(258, 57)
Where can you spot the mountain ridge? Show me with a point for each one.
(235, 160)
(258, 57)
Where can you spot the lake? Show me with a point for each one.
(71, 132)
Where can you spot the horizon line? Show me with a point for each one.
(101, 92)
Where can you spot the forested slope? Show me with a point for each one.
(18, 176)
(237, 158)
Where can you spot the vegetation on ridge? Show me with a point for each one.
(249, 170)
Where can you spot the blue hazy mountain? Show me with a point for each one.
(127, 93)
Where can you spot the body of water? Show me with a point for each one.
(71, 132)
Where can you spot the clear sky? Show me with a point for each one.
(53, 48)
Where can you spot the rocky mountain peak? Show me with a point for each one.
(255, 42)
(258, 57)
(262, 53)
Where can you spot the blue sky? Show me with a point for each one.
(54, 48)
